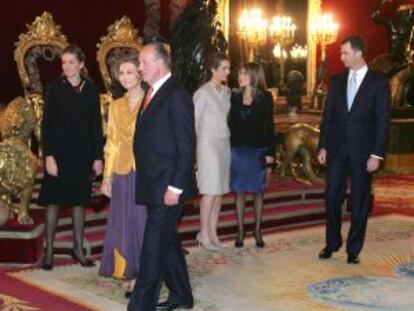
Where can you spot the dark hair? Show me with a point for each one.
(215, 59)
(162, 49)
(357, 43)
(257, 77)
(80, 56)
(131, 57)
(213, 62)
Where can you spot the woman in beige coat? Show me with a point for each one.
(212, 105)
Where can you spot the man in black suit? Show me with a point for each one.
(164, 147)
(352, 143)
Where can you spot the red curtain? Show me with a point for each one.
(354, 18)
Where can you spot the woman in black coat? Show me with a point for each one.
(252, 144)
(72, 146)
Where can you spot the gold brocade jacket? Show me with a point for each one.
(119, 156)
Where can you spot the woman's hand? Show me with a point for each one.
(106, 187)
(97, 167)
(51, 166)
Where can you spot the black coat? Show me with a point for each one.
(253, 125)
(72, 134)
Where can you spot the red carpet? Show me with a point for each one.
(18, 296)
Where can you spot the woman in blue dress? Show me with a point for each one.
(252, 145)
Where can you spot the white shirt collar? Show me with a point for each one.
(159, 83)
(360, 73)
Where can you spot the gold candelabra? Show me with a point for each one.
(282, 33)
(299, 52)
(323, 31)
(282, 30)
(255, 31)
(252, 28)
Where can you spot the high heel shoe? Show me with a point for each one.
(259, 240)
(47, 264)
(84, 263)
(217, 242)
(239, 243)
(208, 246)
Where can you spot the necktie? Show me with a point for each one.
(148, 97)
(352, 89)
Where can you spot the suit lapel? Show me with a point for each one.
(156, 99)
(343, 89)
(361, 91)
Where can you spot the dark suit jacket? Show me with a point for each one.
(164, 145)
(364, 129)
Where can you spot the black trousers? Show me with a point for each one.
(339, 169)
(162, 259)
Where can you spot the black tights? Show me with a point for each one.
(51, 220)
(258, 210)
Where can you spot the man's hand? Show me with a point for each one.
(51, 166)
(270, 160)
(171, 198)
(322, 156)
(373, 164)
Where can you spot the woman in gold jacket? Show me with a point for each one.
(126, 220)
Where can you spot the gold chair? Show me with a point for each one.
(42, 41)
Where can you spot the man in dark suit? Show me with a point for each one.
(352, 143)
(164, 147)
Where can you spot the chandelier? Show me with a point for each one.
(299, 52)
(279, 52)
(252, 27)
(324, 31)
(282, 30)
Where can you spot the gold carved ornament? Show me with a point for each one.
(43, 31)
(298, 153)
(121, 34)
(18, 165)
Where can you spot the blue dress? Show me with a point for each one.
(252, 139)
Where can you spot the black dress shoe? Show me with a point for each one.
(127, 294)
(167, 306)
(353, 259)
(326, 253)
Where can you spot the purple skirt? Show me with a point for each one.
(124, 230)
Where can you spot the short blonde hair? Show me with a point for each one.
(132, 57)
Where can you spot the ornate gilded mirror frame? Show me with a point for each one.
(121, 35)
(314, 7)
(44, 33)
